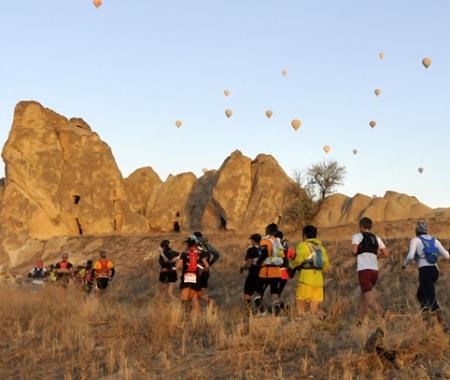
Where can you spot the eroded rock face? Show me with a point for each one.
(140, 186)
(231, 192)
(167, 205)
(270, 194)
(341, 210)
(62, 180)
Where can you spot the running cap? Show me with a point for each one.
(421, 228)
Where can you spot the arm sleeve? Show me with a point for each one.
(442, 250)
(215, 254)
(113, 272)
(411, 253)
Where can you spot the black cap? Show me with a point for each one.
(255, 237)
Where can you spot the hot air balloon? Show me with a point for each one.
(284, 72)
(227, 93)
(326, 149)
(420, 170)
(97, 3)
(355, 151)
(381, 55)
(178, 123)
(269, 114)
(204, 170)
(296, 124)
(228, 113)
(373, 124)
(426, 62)
(377, 92)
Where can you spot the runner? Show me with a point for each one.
(212, 255)
(367, 247)
(312, 260)
(104, 272)
(272, 255)
(87, 277)
(63, 271)
(425, 250)
(168, 273)
(38, 274)
(188, 264)
(253, 282)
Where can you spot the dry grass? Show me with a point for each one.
(56, 334)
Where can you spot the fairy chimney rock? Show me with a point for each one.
(140, 186)
(62, 180)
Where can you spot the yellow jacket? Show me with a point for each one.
(303, 252)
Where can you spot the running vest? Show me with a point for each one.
(192, 261)
(103, 268)
(369, 244)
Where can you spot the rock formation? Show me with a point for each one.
(167, 205)
(339, 209)
(140, 186)
(61, 180)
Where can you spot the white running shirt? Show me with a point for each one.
(366, 260)
(416, 252)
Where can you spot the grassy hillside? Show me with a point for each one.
(55, 334)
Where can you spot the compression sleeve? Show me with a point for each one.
(411, 253)
(215, 254)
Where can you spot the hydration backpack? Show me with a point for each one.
(369, 244)
(430, 250)
(192, 256)
(315, 261)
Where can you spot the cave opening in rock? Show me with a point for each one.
(115, 224)
(80, 230)
(76, 199)
(223, 223)
(176, 227)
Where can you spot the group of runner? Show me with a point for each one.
(270, 262)
(92, 275)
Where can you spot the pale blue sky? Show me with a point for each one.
(131, 68)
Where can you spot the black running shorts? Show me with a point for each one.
(102, 283)
(168, 277)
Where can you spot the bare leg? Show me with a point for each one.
(371, 302)
(301, 307)
(195, 307)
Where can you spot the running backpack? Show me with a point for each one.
(315, 261)
(430, 250)
(369, 244)
(192, 256)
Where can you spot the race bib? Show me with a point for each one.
(190, 278)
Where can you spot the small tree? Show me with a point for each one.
(326, 176)
(303, 208)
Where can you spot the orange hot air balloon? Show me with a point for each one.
(178, 123)
(377, 92)
(227, 93)
(381, 55)
(373, 124)
(296, 124)
(426, 62)
(355, 151)
(284, 72)
(98, 3)
(420, 170)
(326, 149)
(269, 114)
(228, 113)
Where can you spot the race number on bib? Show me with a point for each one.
(190, 278)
